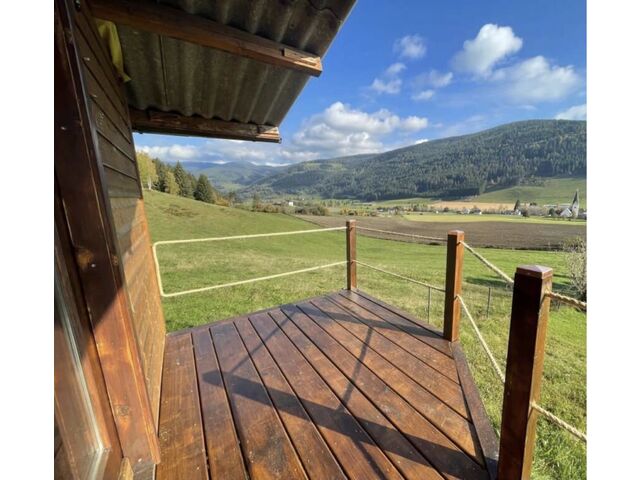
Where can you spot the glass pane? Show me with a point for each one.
(79, 452)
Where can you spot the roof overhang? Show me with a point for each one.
(223, 69)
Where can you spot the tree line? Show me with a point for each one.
(163, 177)
(521, 153)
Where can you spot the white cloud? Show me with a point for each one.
(410, 46)
(391, 87)
(395, 69)
(424, 95)
(577, 112)
(434, 79)
(420, 140)
(492, 44)
(536, 80)
(172, 153)
(390, 83)
(342, 130)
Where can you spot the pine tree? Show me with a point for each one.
(204, 191)
(161, 181)
(516, 207)
(185, 187)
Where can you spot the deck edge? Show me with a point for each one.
(481, 421)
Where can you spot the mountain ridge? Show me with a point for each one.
(517, 153)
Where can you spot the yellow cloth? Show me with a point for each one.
(109, 34)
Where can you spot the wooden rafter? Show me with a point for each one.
(172, 22)
(153, 121)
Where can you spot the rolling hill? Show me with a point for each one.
(230, 176)
(516, 154)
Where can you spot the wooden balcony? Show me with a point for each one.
(339, 386)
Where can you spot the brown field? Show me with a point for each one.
(481, 205)
(482, 234)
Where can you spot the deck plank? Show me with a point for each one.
(441, 415)
(266, 446)
(394, 444)
(180, 429)
(316, 457)
(375, 318)
(333, 387)
(357, 453)
(223, 447)
(430, 378)
(402, 321)
(437, 447)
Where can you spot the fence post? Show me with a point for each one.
(453, 285)
(352, 279)
(525, 356)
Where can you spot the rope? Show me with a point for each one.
(568, 300)
(435, 239)
(408, 279)
(504, 276)
(559, 422)
(251, 280)
(257, 235)
(494, 363)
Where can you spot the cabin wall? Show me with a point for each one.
(116, 153)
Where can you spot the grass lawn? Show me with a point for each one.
(452, 217)
(558, 455)
(555, 190)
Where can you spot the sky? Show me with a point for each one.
(404, 72)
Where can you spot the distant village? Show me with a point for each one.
(563, 210)
(304, 206)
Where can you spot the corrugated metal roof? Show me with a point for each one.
(175, 76)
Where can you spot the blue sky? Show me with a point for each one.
(401, 72)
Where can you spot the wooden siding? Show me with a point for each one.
(114, 143)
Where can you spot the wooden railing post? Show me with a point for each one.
(352, 279)
(453, 285)
(525, 355)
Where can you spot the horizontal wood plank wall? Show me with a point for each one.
(114, 142)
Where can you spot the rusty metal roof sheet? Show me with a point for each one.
(175, 76)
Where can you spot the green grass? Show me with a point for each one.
(557, 454)
(446, 218)
(555, 191)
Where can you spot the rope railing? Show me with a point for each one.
(251, 280)
(238, 237)
(574, 302)
(409, 235)
(244, 237)
(545, 413)
(557, 296)
(491, 266)
(494, 362)
(559, 422)
(397, 275)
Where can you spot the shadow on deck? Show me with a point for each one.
(339, 386)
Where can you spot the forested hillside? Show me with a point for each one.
(521, 153)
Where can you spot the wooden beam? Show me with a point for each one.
(153, 121)
(525, 356)
(453, 285)
(352, 278)
(172, 22)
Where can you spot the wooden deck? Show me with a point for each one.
(340, 386)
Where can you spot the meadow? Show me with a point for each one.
(186, 266)
(554, 190)
(452, 217)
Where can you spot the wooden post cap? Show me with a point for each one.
(535, 271)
